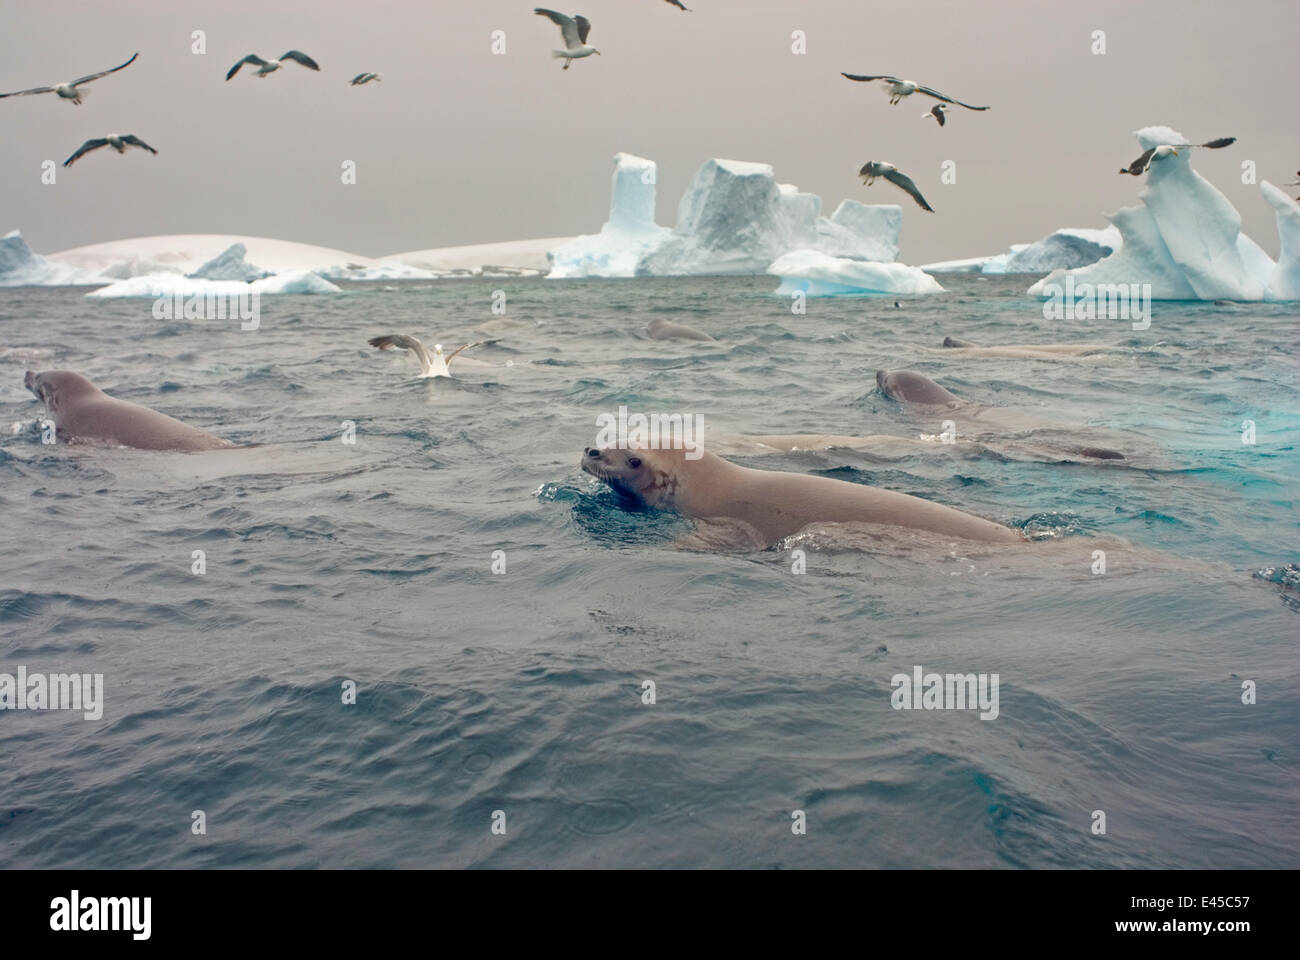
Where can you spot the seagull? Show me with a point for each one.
(266, 67)
(937, 111)
(69, 91)
(898, 89)
(1165, 150)
(118, 141)
(574, 30)
(361, 78)
(433, 364)
(878, 168)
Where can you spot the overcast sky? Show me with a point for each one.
(458, 145)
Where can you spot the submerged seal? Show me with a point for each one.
(772, 503)
(83, 412)
(661, 329)
(920, 391)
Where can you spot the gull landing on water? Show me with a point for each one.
(118, 141)
(68, 90)
(267, 67)
(1165, 150)
(898, 89)
(433, 364)
(574, 30)
(878, 168)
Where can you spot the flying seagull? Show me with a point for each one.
(878, 168)
(118, 141)
(266, 67)
(433, 364)
(898, 89)
(574, 30)
(69, 91)
(361, 78)
(1165, 150)
(937, 111)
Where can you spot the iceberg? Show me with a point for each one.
(733, 220)
(629, 233)
(1184, 239)
(174, 284)
(20, 267)
(188, 253)
(1064, 249)
(820, 275)
(1284, 283)
(230, 265)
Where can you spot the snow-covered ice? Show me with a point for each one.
(186, 253)
(1284, 283)
(174, 284)
(734, 219)
(1184, 239)
(1063, 249)
(819, 275)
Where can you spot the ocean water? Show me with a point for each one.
(484, 697)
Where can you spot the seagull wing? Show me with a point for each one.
(477, 343)
(131, 138)
(24, 93)
(104, 73)
(584, 27)
(568, 27)
(939, 96)
(862, 79)
(1219, 143)
(360, 78)
(938, 115)
(251, 58)
(297, 56)
(903, 180)
(1140, 164)
(402, 342)
(84, 149)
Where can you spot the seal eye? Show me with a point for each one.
(634, 462)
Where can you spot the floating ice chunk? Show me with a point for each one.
(172, 284)
(819, 275)
(230, 265)
(20, 267)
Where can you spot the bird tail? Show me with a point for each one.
(557, 54)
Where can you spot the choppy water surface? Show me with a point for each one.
(522, 692)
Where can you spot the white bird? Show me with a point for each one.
(574, 30)
(1166, 150)
(898, 89)
(118, 141)
(361, 78)
(434, 364)
(937, 111)
(68, 90)
(878, 168)
(267, 67)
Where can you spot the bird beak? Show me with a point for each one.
(1175, 151)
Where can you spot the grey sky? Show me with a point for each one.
(459, 146)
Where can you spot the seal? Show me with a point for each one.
(917, 390)
(1026, 351)
(82, 412)
(774, 504)
(661, 329)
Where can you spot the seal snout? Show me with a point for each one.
(29, 381)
